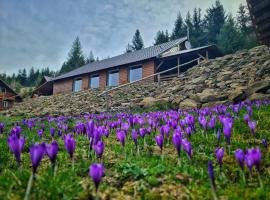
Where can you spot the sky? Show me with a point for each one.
(39, 33)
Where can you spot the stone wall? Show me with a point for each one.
(230, 79)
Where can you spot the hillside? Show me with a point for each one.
(229, 79)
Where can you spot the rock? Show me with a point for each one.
(258, 87)
(189, 103)
(211, 104)
(237, 95)
(151, 101)
(258, 96)
(210, 95)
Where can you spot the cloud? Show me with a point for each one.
(40, 33)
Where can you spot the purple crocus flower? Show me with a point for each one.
(252, 126)
(16, 146)
(264, 143)
(52, 131)
(188, 131)
(134, 136)
(70, 144)
(40, 132)
(219, 155)
(2, 126)
(211, 174)
(218, 136)
(253, 158)
(96, 172)
(159, 141)
(99, 148)
(177, 143)
(227, 133)
(51, 151)
(187, 147)
(121, 137)
(240, 157)
(246, 118)
(142, 132)
(36, 154)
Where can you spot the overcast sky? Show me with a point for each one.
(39, 33)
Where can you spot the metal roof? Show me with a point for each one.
(197, 49)
(136, 56)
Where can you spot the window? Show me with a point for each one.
(5, 104)
(77, 85)
(94, 81)
(135, 73)
(113, 78)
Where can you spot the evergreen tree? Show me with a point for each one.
(246, 28)
(75, 57)
(197, 36)
(128, 48)
(161, 37)
(243, 19)
(214, 20)
(230, 39)
(179, 30)
(137, 41)
(90, 58)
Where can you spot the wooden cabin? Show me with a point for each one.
(133, 66)
(44, 88)
(7, 96)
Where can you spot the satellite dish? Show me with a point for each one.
(187, 45)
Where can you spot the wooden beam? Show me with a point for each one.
(161, 63)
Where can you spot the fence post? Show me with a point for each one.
(107, 102)
(158, 79)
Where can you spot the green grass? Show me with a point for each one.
(143, 176)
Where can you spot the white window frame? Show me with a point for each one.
(90, 80)
(132, 67)
(73, 85)
(108, 77)
(5, 104)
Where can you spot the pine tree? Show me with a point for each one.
(161, 37)
(90, 58)
(75, 57)
(197, 37)
(230, 39)
(214, 20)
(137, 41)
(243, 19)
(179, 30)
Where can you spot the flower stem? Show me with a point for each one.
(260, 180)
(72, 163)
(214, 192)
(243, 176)
(29, 186)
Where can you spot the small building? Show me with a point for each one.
(7, 96)
(260, 16)
(133, 66)
(44, 88)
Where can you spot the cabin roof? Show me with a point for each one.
(2, 83)
(127, 58)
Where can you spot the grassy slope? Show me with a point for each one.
(146, 176)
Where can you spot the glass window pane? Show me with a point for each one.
(94, 81)
(77, 85)
(113, 78)
(135, 73)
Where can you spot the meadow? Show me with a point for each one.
(210, 153)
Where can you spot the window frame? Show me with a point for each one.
(132, 67)
(73, 85)
(108, 77)
(5, 104)
(90, 78)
